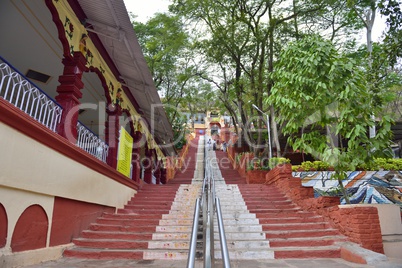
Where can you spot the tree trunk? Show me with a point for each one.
(370, 18)
(343, 190)
(274, 127)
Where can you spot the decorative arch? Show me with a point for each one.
(3, 226)
(60, 28)
(103, 82)
(30, 232)
(215, 124)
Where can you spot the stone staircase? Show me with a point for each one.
(155, 224)
(259, 221)
(292, 232)
(171, 239)
(193, 157)
(244, 235)
(126, 233)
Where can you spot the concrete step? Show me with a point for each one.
(236, 236)
(296, 226)
(239, 228)
(306, 242)
(165, 254)
(145, 206)
(229, 202)
(301, 233)
(244, 221)
(274, 210)
(164, 201)
(133, 216)
(171, 236)
(233, 207)
(153, 196)
(295, 219)
(176, 222)
(252, 254)
(259, 195)
(311, 252)
(103, 254)
(128, 222)
(237, 215)
(130, 210)
(244, 245)
(272, 214)
(155, 244)
(172, 229)
(121, 228)
(176, 215)
(111, 243)
(256, 198)
(255, 207)
(116, 235)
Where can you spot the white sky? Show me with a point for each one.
(145, 9)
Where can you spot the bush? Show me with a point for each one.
(377, 164)
(258, 164)
(388, 164)
(275, 161)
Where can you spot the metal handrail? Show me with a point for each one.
(193, 241)
(199, 204)
(209, 203)
(222, 236)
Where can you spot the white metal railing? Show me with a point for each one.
(91, 143)
(19, 91)
(26, 96)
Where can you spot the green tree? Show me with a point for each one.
(392, 10)
(242, 40)
(162, 38)
(168, 51)
(318, 89)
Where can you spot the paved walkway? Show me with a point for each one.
(294, 263)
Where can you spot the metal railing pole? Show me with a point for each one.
(193, 241)
(206, 248)
(224, 247)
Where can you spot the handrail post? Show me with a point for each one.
(206, 232)
(211, 223)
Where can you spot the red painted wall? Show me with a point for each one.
(71, 217)
(3, 226)
(31, 230)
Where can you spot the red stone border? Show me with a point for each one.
(360, 224)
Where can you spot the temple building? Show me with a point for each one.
(82, 125)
